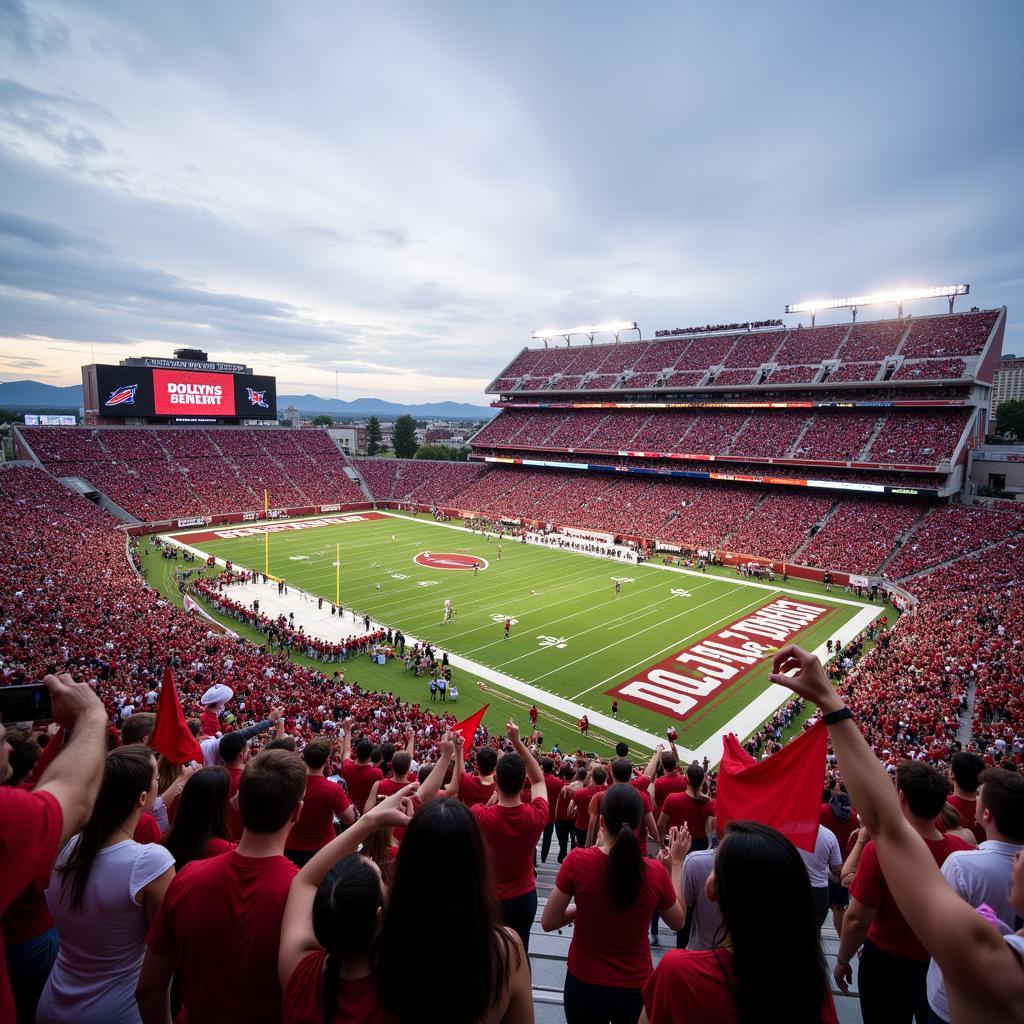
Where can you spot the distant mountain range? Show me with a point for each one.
(33, 395)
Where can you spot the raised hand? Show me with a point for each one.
(809, 679)
(72, 701)
(396, 810)
(512, 731)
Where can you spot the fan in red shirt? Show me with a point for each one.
(672, 781)
(201, 827)
(622, 771)
(479, 788)
(37, 824)
(359, 774)
(401, 763)
(690, 807)
(893, 967)
(615, 890)
(564, 818)
(230, 907)
(581, 801)
(323, 802)
(511, 829)
(964, 767)
(553, 787)
(839, 816)
(758, 876)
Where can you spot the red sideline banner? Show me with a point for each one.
(679, 685)
(276, 527)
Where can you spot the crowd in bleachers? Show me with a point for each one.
(903, 437)
(860, 537)
(948, 532)
(160, 474)
(798, 354)
(320, 939)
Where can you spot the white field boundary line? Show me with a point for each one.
(739, 582)
(742, 723)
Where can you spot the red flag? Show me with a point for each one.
(783, 790)
(469, 726)
(171, 735)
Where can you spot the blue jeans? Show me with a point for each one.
(28, 967)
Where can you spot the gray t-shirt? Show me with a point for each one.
(706, 917)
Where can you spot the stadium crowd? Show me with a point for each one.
(229, 865)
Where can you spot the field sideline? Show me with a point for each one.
(573, 638)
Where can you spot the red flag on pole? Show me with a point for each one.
(468, 727)
(171, 735)
(783, 790)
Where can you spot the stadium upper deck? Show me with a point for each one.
(914, 350)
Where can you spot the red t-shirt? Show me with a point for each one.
(967, 809)
(234, 815)
(209, 723)
(553, 784)
(609, 943)
(147, 830)
(228, 906)
(215, 846)
(360, 779)
(642, 783)
(664, 786)
(472, 791)
(889, 929)
(511, 834)
(842, 830)
(315, 828)
(700, 985)
(28, 848)
(358, 1002)
(564, 809)
(581, 798)
(681, 807)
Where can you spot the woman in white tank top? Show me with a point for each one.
(104, 892)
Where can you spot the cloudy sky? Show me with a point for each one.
(401, 192)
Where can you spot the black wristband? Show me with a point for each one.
(839, 715)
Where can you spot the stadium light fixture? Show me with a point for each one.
(615, 328)
(898, 296)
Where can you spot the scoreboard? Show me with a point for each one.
(170, 394)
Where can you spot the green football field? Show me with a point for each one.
(572, 636)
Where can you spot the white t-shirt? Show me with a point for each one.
(826, 852)
(102, 944)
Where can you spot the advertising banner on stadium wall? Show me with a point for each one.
(195, 521)
(705, 671)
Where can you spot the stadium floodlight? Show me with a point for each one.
(616, 327)
(898, 296)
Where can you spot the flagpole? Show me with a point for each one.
(337, 575)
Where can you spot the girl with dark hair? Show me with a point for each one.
(488, 982)
(201, 828)
(104, 892)
(615, 889)
(758, 876)
(690, 807)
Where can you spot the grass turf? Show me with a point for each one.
(572, 636)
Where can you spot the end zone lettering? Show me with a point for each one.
(688, 680)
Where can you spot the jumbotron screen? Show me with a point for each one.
(184, 394)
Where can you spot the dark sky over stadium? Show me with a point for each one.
(403, 192)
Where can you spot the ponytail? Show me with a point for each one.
(332, 983)
(626, 866)
(622, 810)
(695, 777)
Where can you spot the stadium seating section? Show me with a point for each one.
(906, 437)
(795, 356)
(159, 474)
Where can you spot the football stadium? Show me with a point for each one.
(693, 690)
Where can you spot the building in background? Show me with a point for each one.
(1008, 383)
(351, 438)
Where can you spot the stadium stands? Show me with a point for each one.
(935, 337)
(859, 535)
(162, 473)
